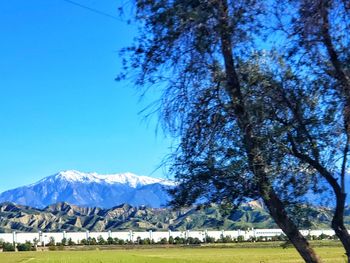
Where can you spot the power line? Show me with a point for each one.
(92, 10)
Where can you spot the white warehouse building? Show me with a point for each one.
(44, 237)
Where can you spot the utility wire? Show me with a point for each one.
(92, 10)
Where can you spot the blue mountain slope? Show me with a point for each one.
(91, 189)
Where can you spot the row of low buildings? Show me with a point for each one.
(43, 238)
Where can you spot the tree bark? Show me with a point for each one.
(339, 227)
(256, 162)
(277, 211)
(338, 216)
(340, 193)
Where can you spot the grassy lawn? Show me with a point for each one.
(172, 255)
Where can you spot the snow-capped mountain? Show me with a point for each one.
(91, 189)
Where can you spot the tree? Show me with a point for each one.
(110, 241)
(35, 242)
(171, 240)
(163, 241)
(71, 242)
(100, 240)
(92, 241)
(317, 32)
(215, 101)
(64, 241)
(52, 241)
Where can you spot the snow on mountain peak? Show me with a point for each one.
(92, 189)
(124, 178)
(72, 175)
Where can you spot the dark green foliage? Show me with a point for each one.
(193, 241)
(100, 240)
(92, 241)
(121, 242)
(209, 239)
(240, 238)
(145, 241)
(110, 241)
(51, 242)
(324, 236)
(71, 242)
(179, 240)
(64, 241)
(8, 247)
(163, 241)
(25, 247)
(225, 239)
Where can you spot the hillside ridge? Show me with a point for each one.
(64, 216)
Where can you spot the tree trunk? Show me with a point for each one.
(278, 213)
(340, 195)
(277, 209)
(338, 218)
(274, 204)
(339, 227)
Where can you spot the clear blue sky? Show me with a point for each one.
(60, 107)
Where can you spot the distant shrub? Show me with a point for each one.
(1, 242)
(110, 241)
(179, 240)
(35, 241)
(100, 240)
(25, 247)
(146, 241)
(193, 241)
(51, 242)
(121, 242)
(226, 239)
(7, 247)
(71, 242)
(240, 239)
(251, 239)
(334, 237)
(163, 241)
(64, 241)
(274, 238)
(92, 241)
(209, 239)
(324, 236)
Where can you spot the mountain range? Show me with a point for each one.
(91, 189)
(63, 216)
(77, 201)
(106, 191)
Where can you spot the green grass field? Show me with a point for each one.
(172, 255)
